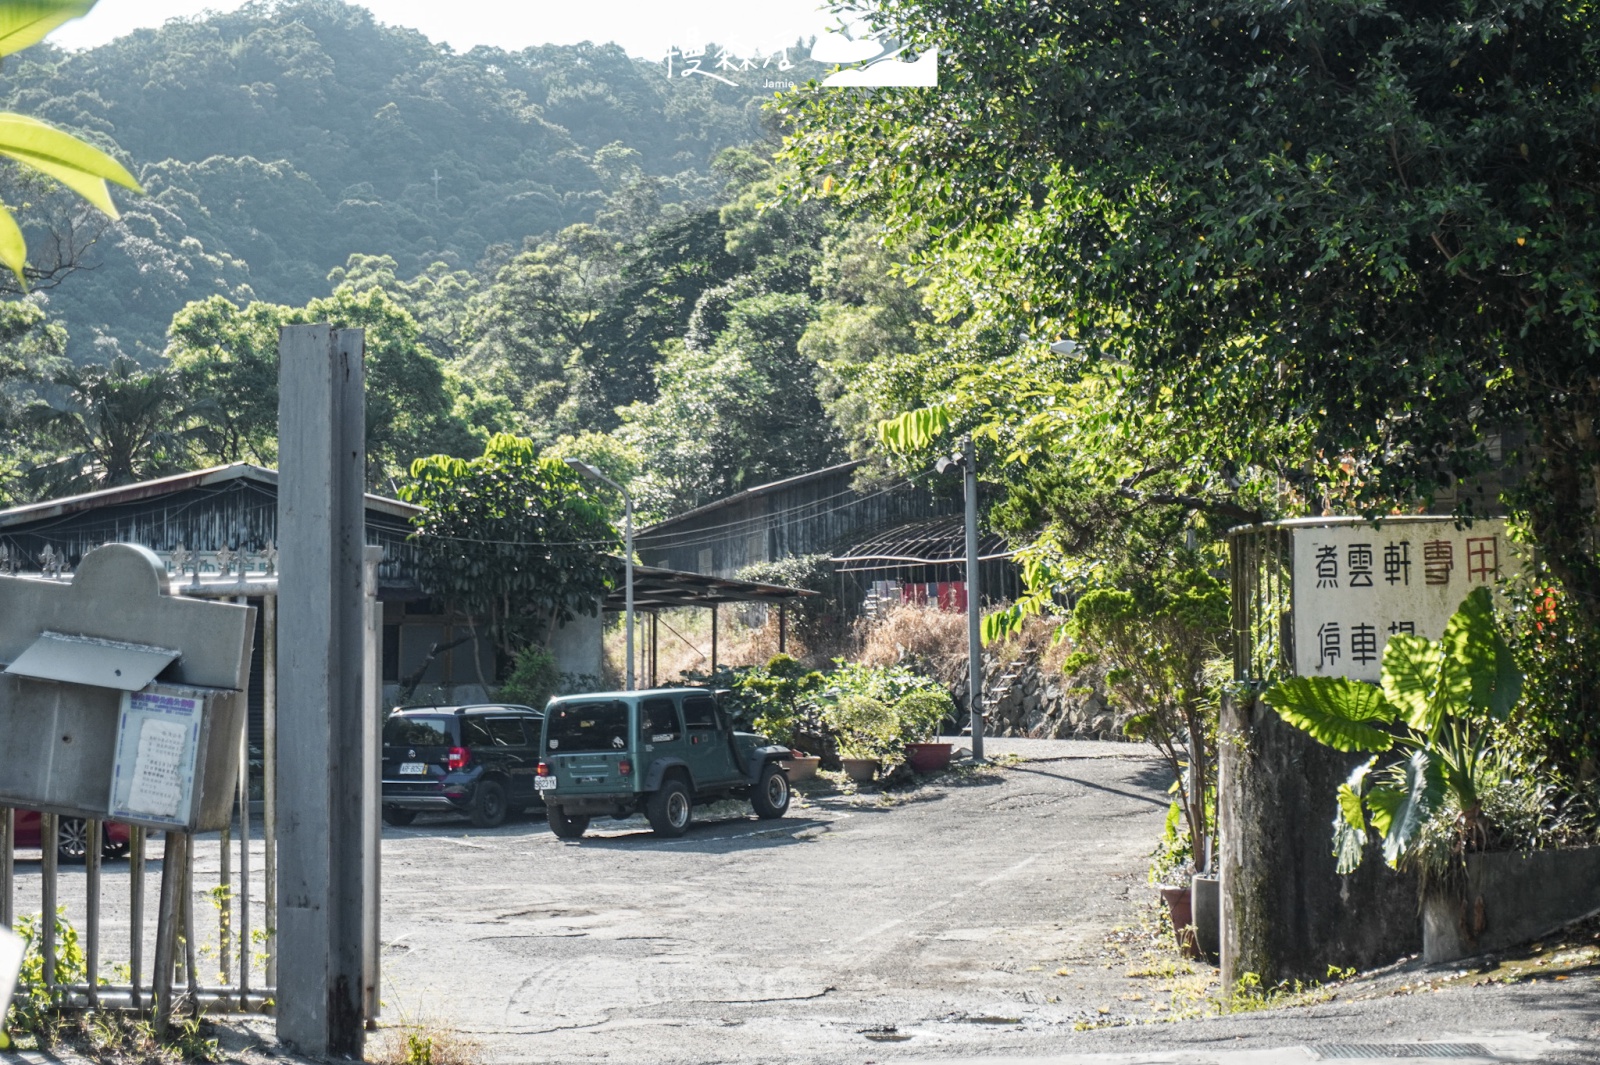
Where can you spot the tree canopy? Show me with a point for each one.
(511, 539)
(1339, 246)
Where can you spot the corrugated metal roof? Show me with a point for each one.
(937, 542)
(750, 493)
(655, 588)
(163, 486)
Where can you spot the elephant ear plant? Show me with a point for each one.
(1426, 725)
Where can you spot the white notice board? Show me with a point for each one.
(158, 738)
(1356, 585)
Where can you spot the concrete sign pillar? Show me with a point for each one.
(322, 848)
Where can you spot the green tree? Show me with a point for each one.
(1157, 642)
(116, 423)
(1345, 240)
(738, 413)
(534, 331)
(514, 540)
(415, 404)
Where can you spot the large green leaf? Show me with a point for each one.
(25, 22)
(1410, 677)
(81, 167)
(1350, 821)
(1336, 711)
(915, 429)
(1479, 670)
(13, 249)
(1399, 810)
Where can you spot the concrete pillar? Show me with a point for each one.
(1286, 912)
(321, 710)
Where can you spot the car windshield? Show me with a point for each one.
(418, 732)
(588, 727)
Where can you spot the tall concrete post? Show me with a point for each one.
(321, 711)
(969, 460)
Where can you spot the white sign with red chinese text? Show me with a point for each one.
(1355, 585)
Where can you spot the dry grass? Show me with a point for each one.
(934, 641)
(422, 1044)
(683, 643)
(925, 638)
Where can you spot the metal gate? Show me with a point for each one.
(221, 900)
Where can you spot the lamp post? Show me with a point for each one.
(627, 550)
(968, 461)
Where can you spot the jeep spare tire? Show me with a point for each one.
(671, 809)
(770, 797)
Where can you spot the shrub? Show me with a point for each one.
(534, 678)
(815, 618)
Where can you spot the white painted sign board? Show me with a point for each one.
(1355, 585)
(158, 739)
(11, 951)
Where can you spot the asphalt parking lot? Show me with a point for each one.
(993, 914)
(936, 917)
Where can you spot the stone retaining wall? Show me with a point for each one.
(1044, 704)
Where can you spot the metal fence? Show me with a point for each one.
(1263, 602)
(205, 940)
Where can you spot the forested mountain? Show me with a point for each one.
(276, 141)
(594, 251)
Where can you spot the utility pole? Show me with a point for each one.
(969, 463)
(596, 476)
(322, 715)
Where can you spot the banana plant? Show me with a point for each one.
(81, 167)
(1428, 715)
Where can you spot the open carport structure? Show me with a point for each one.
(656, 589)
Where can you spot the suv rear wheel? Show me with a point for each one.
(564, 826)
(670, 809)
(489, 805)
(771, 796)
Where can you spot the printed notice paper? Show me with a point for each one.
(157, 787)
(157, 740)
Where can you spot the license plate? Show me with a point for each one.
(544, 783)
(413, 769)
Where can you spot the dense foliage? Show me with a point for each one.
(279, 139)
(606, 264)
(1315, 256)
(511, 539)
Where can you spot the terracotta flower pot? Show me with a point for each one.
(1180, 909)
(860, 770)
(928, 757)
(801, 767)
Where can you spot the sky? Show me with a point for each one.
(643, 27)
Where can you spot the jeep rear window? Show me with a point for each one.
(588, 727)
(418, 732)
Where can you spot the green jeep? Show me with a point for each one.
(615, 754)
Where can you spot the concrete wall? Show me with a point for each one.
(1286, 912)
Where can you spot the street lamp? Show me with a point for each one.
(627, 549)
(969, 462)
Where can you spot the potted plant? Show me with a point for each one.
(867, 731)
(920, 714)
(1157, 644)
(800, 766)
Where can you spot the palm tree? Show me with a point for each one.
(115, 423)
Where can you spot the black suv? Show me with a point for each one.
(476, 760)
